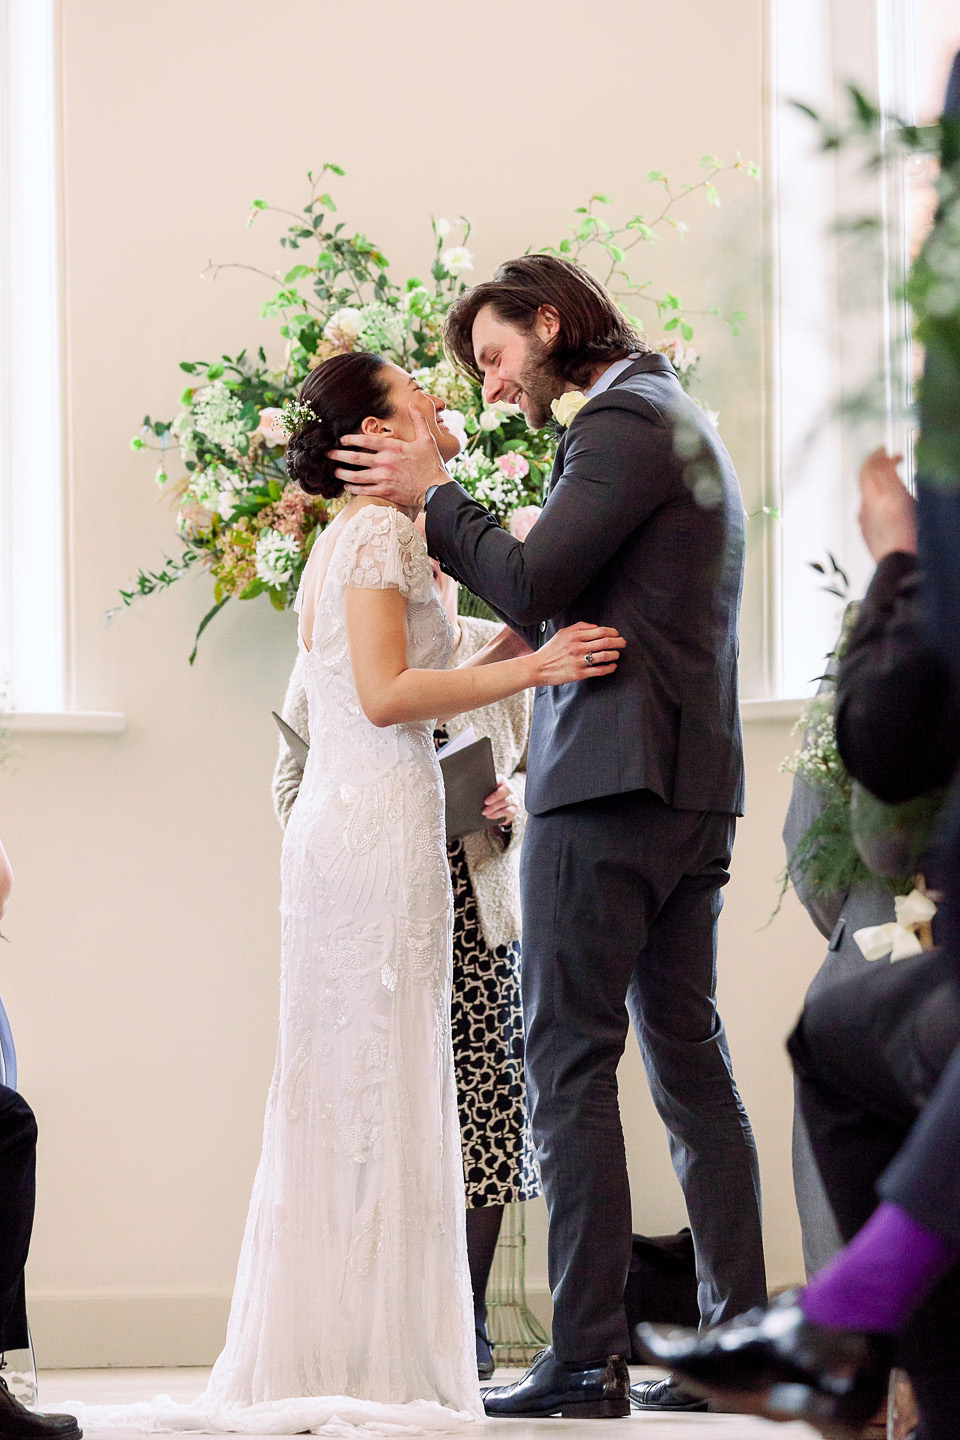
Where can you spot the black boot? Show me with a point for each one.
(19, 1423)
(595, 1391)
(773, 1361)
(485, 1361)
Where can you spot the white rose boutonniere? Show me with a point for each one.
(569, 405)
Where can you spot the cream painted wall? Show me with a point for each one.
(142, 977)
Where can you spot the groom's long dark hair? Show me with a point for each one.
(592, 329)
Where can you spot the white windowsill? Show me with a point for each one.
(112, 722)
(754, 711)
(64, 722)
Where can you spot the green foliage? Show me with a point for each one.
(856, 838)
(238, 515)
(826, 854)
(933, 285)
(605, 248)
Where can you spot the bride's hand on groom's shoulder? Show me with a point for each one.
(392, 469)
(578, 652)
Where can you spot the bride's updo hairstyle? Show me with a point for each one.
(341, 392)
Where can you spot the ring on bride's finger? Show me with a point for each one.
(590, 659)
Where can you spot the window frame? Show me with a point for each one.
(34, 669)
(820, 352)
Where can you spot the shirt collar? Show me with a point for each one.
(610, 374)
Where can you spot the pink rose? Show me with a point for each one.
(272, 426)
(522, 521)
(513, 465)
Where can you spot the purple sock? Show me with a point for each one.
(881, 1276)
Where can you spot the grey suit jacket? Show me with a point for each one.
(643, 529)
(838, 916)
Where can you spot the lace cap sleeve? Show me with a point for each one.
(380, 549)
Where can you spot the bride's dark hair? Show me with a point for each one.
(341, 392)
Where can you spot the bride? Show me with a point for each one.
(352, 1303)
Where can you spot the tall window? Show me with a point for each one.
(31, 466)
(840, 339)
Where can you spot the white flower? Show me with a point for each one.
(273, 426)
(224, 503)
(447, 384)
(443, 227)
(472, 467)
(344, 327)
(208, 486)
(417, 299)
(712, 415)
(682, 357)
(457, 258)
(456, 424)
(277, 557)
(489, 420)
(216, 414)
(382, 327)
(568, 406)
(504, 408)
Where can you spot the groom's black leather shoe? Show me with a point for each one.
(576, 1392)
(774, 1362)
(19, 1423)
(665, 1395)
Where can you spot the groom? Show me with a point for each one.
(633, 786)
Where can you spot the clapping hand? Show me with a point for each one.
(888, 512)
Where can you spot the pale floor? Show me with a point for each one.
(110, 1387)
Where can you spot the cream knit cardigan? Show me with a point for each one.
(494, 870)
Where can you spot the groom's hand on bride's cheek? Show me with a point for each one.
(388, 467)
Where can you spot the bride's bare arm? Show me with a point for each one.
(392, 694)
(505, 645)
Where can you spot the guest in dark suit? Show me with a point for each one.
(632, 794)
(878, 1064)
(18, 1155)
(838, 917)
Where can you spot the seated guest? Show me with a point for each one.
(838, 916)
(878, 1063)
(18, 1154)
(498, 1160)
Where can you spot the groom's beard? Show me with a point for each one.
(540, 383)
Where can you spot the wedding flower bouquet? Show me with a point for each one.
(237, 513)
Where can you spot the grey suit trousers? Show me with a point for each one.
(621, 897)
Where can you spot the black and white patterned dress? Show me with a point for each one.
(498, 1157)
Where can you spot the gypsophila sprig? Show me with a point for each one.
(237, 514)
(295, 415)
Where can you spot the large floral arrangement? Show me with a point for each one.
(237, 513)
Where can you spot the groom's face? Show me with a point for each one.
(515, 364)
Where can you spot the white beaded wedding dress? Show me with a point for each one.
(352, 1306)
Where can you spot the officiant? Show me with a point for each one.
(498, 1157)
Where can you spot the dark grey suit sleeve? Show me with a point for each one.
(898, 729)
(618, 468)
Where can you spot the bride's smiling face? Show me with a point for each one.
(405, 393)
